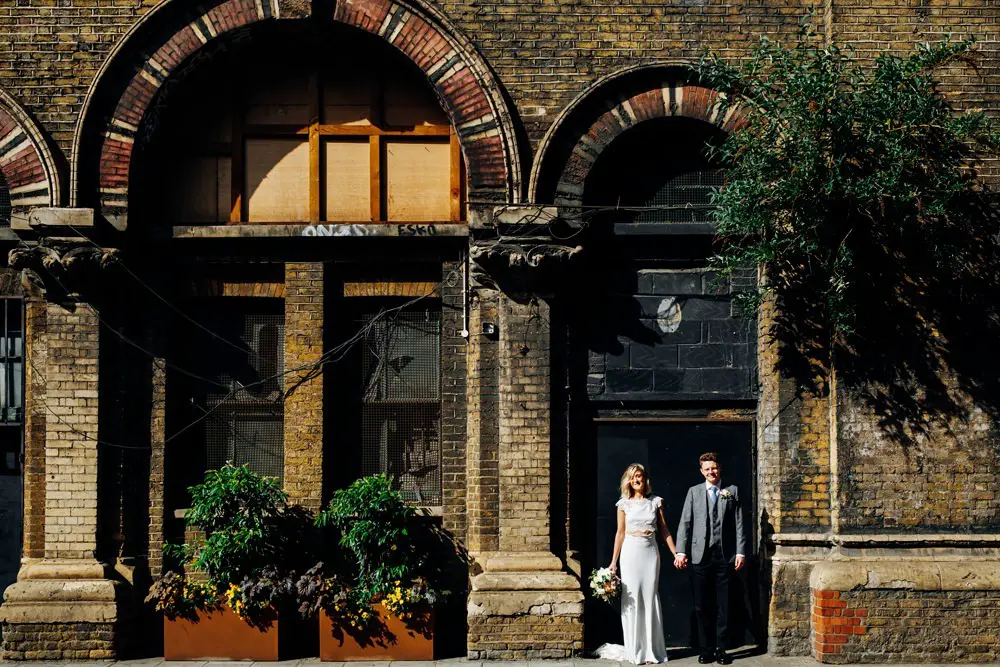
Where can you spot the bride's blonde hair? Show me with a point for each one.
(627, 476)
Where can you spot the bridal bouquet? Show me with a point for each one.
(605, 584)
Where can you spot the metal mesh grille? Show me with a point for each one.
(687, 195)
(239, 401)
(401, 402)
(5, 205)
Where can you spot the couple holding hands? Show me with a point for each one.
(710, 541)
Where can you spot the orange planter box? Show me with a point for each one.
(401, 640)
(219, 635)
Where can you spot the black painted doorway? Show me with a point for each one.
(670, 451)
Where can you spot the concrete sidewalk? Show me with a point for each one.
(691, 661)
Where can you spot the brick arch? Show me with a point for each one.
(468, 91)
(606, 110)
(25, 159)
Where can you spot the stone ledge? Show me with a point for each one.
(54, 568)
(906, 575)
(525, 581)
(59, 612)
(52, 590)
(861, 539)
(531, 603)
(528, 562)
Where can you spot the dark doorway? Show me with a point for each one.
(11, 433)
(670, 450)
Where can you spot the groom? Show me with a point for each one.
(711, 532)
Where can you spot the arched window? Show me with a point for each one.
(325, 126)
(658, 172)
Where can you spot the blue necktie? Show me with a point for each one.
(715, 495)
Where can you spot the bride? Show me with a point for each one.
(640, 518)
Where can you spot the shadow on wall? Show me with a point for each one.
(927, 319)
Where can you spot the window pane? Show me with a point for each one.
(418, 180)
(401, 402)
(277, 172)
(348, 181)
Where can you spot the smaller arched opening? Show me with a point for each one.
(661, 171)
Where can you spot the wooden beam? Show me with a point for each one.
(456, 178)
(237, 177)
(315, 183)
(265, 131)
(375, 144)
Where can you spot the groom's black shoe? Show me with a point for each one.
(706, 658)
(723, 658)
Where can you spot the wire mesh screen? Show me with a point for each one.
(685, 198)
(238, 396)
(5, 205)
(401, 402)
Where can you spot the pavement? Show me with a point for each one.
(742, 659)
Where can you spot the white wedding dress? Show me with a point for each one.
(639, 569)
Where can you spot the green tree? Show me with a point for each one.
(837, 161)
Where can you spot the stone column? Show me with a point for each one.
(304, 383)
(64, 605)
(523, 604)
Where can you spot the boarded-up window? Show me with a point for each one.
(277, 180)
(207, 189)
(417, 177)
(348, 180)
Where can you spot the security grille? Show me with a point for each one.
(239, 399)
(11, 384)
(5, 205)
(401, 401)
(684, 198)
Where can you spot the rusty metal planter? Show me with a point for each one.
(220, 635)
(400, 640)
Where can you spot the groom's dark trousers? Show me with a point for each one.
(711, 593)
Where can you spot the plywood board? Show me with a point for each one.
(224, 178)
(410, 102)
(197, 199)
(348, 170)
(347, 101)
(281, 103)
(277, 180)
(418, 180)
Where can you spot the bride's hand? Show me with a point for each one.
(614, 568)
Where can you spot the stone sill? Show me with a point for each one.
(871, 539)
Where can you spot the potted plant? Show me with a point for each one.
(241, 577)
(381, 606)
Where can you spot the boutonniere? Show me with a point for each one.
(726, 493)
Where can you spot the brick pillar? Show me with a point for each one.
(157, 438)
(454, 407)
(34, 427)
(64, 606)
(482, 472)
(524, 604)
(304, 406)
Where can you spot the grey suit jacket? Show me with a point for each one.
(693, 534)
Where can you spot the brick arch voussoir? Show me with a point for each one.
(444, 61)
(26, 161)
(665, 100)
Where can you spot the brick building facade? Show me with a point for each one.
(212, 203)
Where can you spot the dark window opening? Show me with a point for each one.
(400, 399)
(5, 205)
(658, 172)
(236, 402)
(11, 385)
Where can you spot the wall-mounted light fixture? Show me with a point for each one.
(490, 329)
